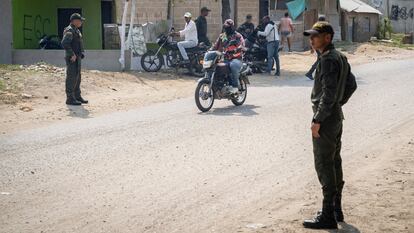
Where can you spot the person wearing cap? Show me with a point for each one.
(72, 42)
(190, 37)
(247, 28)
(231, 43)
(272, 37)
(201, 23)
(309, 74)
(334, 84)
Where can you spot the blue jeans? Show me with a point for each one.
(273, 53)
(182, 45)
(235, 67)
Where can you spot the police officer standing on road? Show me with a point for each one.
(334, 84)
(201, 23)
(73, 45)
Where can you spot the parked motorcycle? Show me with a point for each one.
(50, 42)
(152, 61)
(216, 82)
(256, 53)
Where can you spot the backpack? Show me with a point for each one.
(350, 87)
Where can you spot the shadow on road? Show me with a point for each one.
(244, 110)
(345, 228)
(290, 81)
(262, 80)
(78, 111)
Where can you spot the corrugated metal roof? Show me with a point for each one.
(358, 7)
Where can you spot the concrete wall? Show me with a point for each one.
(314, 8)
(245, 7)
(153, 11)
(365, 26)
(194, 6)
(6, 32)
(106, 60)
(401, 14)
(399, 11)
(33, 19)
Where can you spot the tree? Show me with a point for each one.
(225, 10)
(169, 10)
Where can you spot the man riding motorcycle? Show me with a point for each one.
(231, 43)
(190, 37)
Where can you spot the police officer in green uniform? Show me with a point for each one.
(74, 53)
(334, 84)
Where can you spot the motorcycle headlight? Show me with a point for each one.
(207, 64)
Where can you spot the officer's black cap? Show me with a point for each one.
(204, 8)
(76, 16)
(318, 28)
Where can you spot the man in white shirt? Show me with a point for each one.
(190, 37)
(271, 33)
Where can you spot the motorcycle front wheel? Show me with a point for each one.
(241, 97)
(151, 62)
(204, 97)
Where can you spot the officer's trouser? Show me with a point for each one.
(327, 154)
(73, 78)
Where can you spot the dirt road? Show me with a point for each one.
(34, 96)
(168, 168)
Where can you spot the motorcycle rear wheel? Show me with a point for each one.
(204, 97)
(241, 98)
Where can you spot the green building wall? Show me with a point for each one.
(34, 18)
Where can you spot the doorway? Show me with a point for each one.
(106, 16)
(263, 9)
(64, 18)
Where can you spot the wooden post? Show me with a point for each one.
(309, 19)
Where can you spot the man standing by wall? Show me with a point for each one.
(247, 28)
(73, 44)
(334, 84)
(272, 37)
(286, 30)
(201, 23)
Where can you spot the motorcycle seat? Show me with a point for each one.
(194, 49)
(191, 49)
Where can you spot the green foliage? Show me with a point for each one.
(384, 29)
(397, 41)
(2, 85)
(7, 67)
(154, 47)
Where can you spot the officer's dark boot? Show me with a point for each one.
(71, 100)
(82, 100)
(339, 215)
(323, 220)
